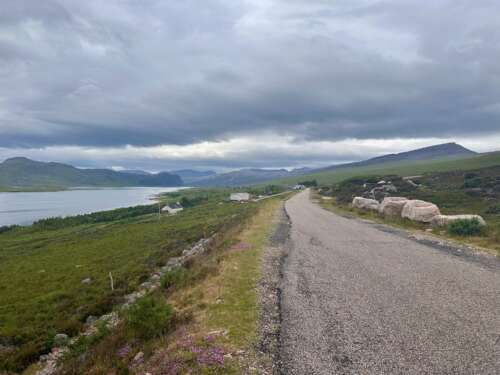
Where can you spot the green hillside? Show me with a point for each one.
(26, 174)
(402, 168)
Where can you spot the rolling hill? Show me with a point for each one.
(244, 177)
(401, 168)
(22, 172)
(436, 152)
(446, 151)
(189, 175)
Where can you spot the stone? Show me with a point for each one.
(390, 188)
(420, 211)
(87, 281)
(174, 262)
(146, 285)
(392, 206)
(138, 358)
(444, 220)
(365, 204)
(61, 339)
(91, 319)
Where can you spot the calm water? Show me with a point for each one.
(24, 208)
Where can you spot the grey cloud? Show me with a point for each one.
(151, 72)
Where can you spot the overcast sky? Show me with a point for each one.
(166, 84)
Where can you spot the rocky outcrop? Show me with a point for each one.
(365, 204)
(384, 189)
(420, 211)
(444, 220)
(392, 206)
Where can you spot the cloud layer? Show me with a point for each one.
(151, 75)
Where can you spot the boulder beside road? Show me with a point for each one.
(444, 220)
(421, 211)
(392, 206)
(365, 204)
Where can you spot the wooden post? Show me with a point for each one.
(159, 211)
(112, 283)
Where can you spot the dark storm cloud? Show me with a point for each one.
(94, 73)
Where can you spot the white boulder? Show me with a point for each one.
(444, 220)
(365, 204)
(420, 211)
(392, 206)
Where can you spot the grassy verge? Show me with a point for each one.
(53, 277)
(214, 300)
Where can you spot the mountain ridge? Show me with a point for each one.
(439, 151)
(24, 172)
(255, 176)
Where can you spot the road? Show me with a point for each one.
(359, 300)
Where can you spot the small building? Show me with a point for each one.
(239, 197)
(299, 187)
(172, 208)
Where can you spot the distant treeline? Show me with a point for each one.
(309, 183)
(7, 228)
(96, 217)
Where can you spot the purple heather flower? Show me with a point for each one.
(124, 351)
(212, 357)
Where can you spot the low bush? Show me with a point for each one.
(472, 183)
(7, 228)
(493, 210)
(176, 277)
(149, 317)
(465, 227)
(309, 183)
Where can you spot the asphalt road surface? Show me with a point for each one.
(358, 300)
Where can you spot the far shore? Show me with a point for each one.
(53, 189)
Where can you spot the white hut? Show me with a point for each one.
(172, 208)
(239, 197)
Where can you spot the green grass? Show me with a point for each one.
(216, 291)
(237, 283)
(41, 271)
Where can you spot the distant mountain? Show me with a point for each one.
(442, 151)
(23, 172)
(190, 175)
(246, 177)
(136, 171)
(256, 176)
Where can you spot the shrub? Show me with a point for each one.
(187, 202)
(465, 227)
(176, 277)
(149, 317)
(472, 183)
(493, 210)
(7, 228)
(309, 183)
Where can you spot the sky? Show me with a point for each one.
(226, 84)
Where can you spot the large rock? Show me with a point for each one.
(365, 204)
(444, 220)
(420, 211)
(392, 206)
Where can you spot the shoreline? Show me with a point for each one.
(17, 209)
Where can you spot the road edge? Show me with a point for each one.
(270, 291)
